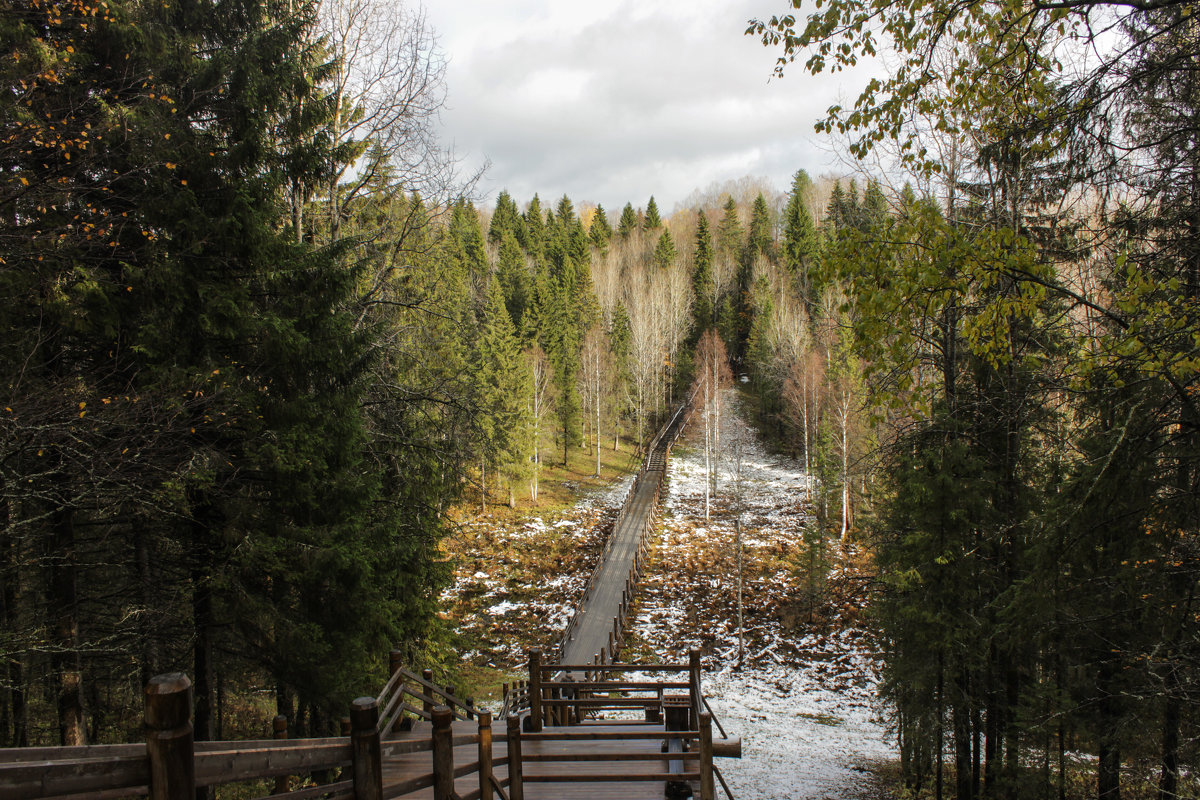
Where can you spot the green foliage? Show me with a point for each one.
(512, 275)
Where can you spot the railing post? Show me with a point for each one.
(395, 662)
(694, 679)
(427, 705)
(170, 743)
(443, 753)
(708, 790)
(535, 690)
(516, 778)
(485, 755)
(364, 743)
(279, 731)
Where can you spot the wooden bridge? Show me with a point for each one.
(580, 726)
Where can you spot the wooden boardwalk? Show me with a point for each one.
(595, 631)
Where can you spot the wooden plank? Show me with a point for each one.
(618, 686)
(592, 736)
(106, 794)
(605, 702)
(408, 785)
(615, 668)
(626, 777)
(11, 755)
(623, 755)
(27, 779)
(215, 768)
(400, 747)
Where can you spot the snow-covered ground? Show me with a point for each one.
(516, 582)
(803, 701)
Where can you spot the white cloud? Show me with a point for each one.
(612, 102)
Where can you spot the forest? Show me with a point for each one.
(263, 343)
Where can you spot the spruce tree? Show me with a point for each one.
(664, 251)
(652, 220)
(599, 231)
(800, 242)
(628, 224)
(702, 277)
(729, 231)
(535, 227)
(874, 207)
(501, 389)
(507, 218)
(760, 240)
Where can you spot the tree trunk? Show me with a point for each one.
(1108, 770)
(1168, 785)
(961, 719)
(63, 599)
(149, 645)
(203, 623)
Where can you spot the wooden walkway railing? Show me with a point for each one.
(676, 708)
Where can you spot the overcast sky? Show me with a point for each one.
(611, 101)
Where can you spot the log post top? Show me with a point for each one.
(168, 701)
(364, 714)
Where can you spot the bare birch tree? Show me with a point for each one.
(712, 376)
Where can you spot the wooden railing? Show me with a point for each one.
(396, 712)
(559, 706)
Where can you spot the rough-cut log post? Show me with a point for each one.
(516, 779)
(427, 674)
(694, 677)
(610, 639)
(485, 755)
(535, 689)
(707, 789)
(571, 711)
(170, 743)
(395, 662)
(279, 731)
(364, 741)
(443, 753)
